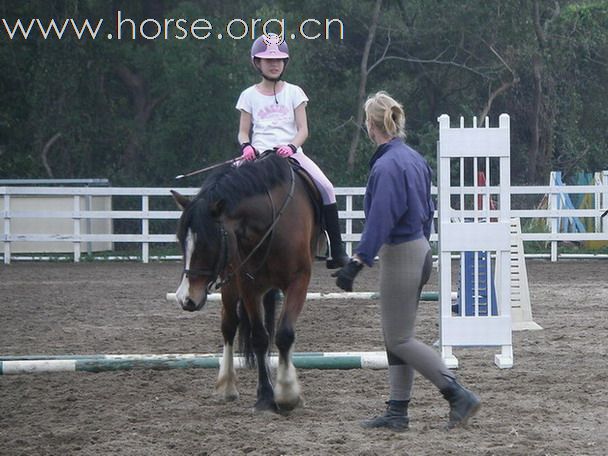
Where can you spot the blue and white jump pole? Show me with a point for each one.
(371, 295)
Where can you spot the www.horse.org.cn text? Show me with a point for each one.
(126, 28)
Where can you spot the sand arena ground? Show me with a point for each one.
(554, 401)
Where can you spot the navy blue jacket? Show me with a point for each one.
(398, 205)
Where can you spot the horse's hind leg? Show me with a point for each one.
(265, 394)
(226, 379)
(259, 343)
(287, 390)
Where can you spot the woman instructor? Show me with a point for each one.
(398, 219)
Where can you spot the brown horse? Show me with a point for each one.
(250, 230)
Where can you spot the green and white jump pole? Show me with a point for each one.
(103, 363)
(32, 364)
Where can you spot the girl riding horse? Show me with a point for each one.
(274, 112)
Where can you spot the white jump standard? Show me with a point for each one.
(468, 223)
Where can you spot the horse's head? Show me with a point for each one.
(204, 243)
(207, 231)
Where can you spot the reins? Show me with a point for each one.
(269, 232)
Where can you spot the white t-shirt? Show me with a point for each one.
(274, 122)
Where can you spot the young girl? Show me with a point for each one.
(274, 112)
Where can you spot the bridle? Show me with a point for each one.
(222, 259)
(220, 263)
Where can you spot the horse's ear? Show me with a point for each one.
(216, 207)
(181, 200)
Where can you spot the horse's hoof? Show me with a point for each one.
(231, 397)
(291, 405)
(265, 406)
(226, 393)
(287, 395)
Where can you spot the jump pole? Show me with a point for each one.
(103, 363)
(366, 295)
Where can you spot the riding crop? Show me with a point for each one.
(209, 168)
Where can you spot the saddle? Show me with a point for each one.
(316, 200)
(311, 190)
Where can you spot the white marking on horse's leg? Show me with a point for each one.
(226, 379)
(287, 389)
(182, 293)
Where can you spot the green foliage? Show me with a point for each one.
(581, 61)
(142, 111)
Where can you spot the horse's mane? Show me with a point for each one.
(233, 183)
(230, 185)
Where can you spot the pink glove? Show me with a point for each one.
(248, 152)
(286, 151)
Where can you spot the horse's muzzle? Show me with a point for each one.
(190, 306)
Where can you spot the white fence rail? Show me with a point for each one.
(350, 200)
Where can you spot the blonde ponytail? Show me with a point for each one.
(386, 114)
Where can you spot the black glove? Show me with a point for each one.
(346, 276)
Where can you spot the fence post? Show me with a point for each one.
(597, 202)
(349, 224)
(553, 206)
(145, 228)
(88, 222)
(76, 217)
(605, 201)
(7, 229)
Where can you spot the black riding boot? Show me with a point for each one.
(394, 418)
(463, 404)
(339, 257)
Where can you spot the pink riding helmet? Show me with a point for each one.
(270, 46)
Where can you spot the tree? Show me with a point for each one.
(141, 111)
(364, 72)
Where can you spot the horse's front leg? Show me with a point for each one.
(226, 379)
(287, 391)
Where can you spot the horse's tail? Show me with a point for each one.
(271, 298)
(245, 337)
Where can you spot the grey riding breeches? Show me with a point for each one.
(404, 269)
